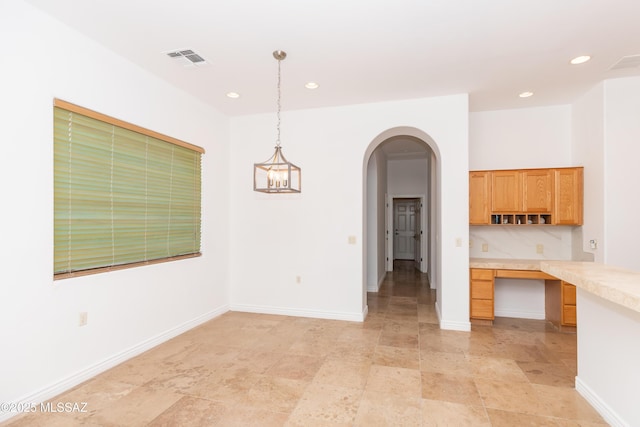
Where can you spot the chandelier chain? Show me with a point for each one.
(278, 127)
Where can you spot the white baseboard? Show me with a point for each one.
(452, 325)
(609, 415)
(455, 326)
(519, 314)
(83, 375)
(333, 315)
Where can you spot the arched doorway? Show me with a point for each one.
(378, 243)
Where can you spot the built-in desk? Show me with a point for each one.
(560, 296)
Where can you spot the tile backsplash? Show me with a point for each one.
(524, 242)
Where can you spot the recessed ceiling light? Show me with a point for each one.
(233, 95)
(580, 59)
(525, 94)
(312, 85)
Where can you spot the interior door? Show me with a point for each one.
(404, 223)
(417, 236)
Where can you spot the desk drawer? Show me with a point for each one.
(569, 315)
(482, 274)
(481, 289)
(568, 293)
(482, 309)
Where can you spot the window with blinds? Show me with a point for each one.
(123, 195)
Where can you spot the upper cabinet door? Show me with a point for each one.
(569, 204)
(479, 196)
(506, 191)
(537, 191)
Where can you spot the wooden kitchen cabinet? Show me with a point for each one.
(569, 196)
(479, 197)
(481, 291)
(506, 191)
(537, 190)
(551, 196)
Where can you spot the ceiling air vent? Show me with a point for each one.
(187, 57)
(631, 61)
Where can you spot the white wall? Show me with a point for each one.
(408, 176)
(606, 130)
(44, 351)
(281, 237)
(521, 138)
(589, 150)
(608, 354)
(512, 139)
(622, 154)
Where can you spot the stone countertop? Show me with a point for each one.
(505, 263)
(610, 283)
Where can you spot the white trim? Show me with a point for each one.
(609, 415)
(285, 311)
(83, 375)
(520, 314)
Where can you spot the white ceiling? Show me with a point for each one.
(362, 51)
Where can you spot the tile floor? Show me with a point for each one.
(395, 369)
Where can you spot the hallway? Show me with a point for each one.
(395, 369)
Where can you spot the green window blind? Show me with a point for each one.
(123, 196)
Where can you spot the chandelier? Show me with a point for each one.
(277, 174)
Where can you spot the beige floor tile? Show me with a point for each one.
(343, 374)
(324, 404)
(392, 339)
(231, 386)
(436, 413)
(245, 417)
(553, 374)
(400, 382)
(356, 352)
(446, 363)
(400, 327)
(397, 356)
(296, 367)
(139, 407)
(510, 396)
(445, 341)
(98, 393)
(566, 403)
(192, 411)
(386, 410)
(509, 419)
(450, 388)
(497, 369)
(275, 394)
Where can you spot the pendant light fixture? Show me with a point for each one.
(277, 175)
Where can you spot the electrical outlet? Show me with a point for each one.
(539, 248)
(459, 242)
(485, 247)
(82, 318)
(352, 240)
(298, 279)
(593, 244)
